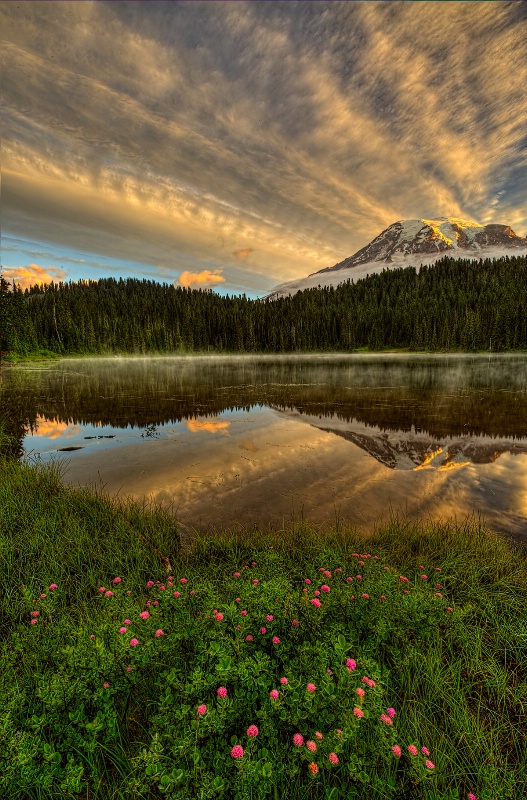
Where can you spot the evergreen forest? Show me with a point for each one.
(454, 305)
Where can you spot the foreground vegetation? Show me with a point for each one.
(294, 664)
(454, 305)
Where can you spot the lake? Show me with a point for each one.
(256, 441)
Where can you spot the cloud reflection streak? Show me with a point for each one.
(212, 426)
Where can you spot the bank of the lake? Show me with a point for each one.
(102, 700)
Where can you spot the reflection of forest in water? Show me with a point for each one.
(451, 396)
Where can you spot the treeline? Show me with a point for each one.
(454, 305)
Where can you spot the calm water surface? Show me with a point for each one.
(239, 442)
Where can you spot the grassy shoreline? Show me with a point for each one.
(104, 718)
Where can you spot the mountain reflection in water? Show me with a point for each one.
(254, 441)
(412, 450)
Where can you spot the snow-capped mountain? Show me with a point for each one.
(413, 242)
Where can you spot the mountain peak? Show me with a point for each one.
(412, 242)
(431, 237)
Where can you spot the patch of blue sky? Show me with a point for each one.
(21, 252)
(78, 265)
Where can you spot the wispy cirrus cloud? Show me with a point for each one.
(290, 133)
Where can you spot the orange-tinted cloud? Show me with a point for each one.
(243, 253)
(211, 426)
(33, 274)
(206, 277)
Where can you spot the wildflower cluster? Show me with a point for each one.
(244, 675)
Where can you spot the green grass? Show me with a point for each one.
(456, 679)
(40, 355)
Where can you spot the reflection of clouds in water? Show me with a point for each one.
(509, 474)
(497, 491)
(324, 477)
(250, 446)
(278, 456)
(270, 470)
(212, 426)
(254, 467)
(53, 429)
(218, 480)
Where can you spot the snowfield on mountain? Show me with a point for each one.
(412, 243)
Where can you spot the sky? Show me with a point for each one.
(238, 145)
